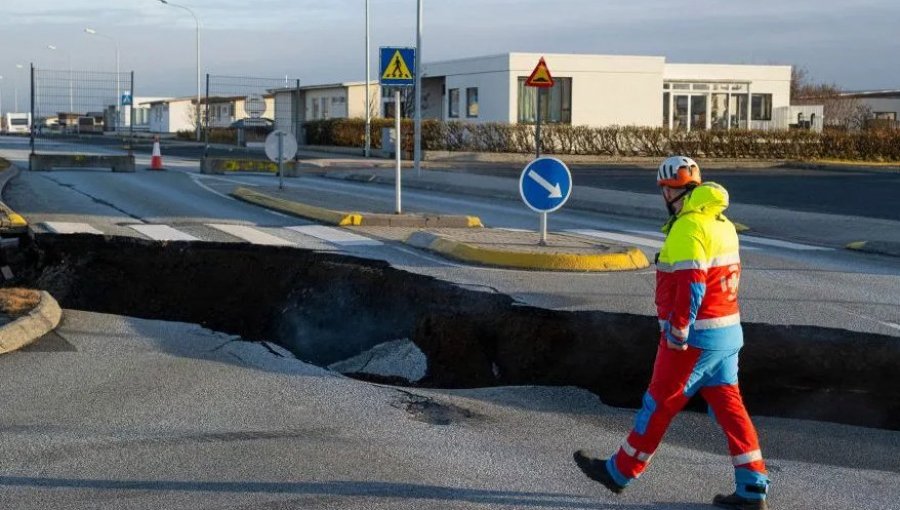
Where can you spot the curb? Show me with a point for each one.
(629, 259)
(890, 249)
(25, 330)
(341, 219)
(11, 222)
(354, 219)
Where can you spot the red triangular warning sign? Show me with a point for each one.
(540, 77)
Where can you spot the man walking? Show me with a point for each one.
(697, 279)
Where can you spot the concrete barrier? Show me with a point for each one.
(47, 162)
(221, 166)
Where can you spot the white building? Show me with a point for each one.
(884, 104)
(172, 115)
(605, 90)
(345, 100)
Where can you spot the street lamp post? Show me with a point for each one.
(1, 98)
(69, 65)
(418, 120)
(197, 21)
(19, 68)
(91, 31)
(368, 79)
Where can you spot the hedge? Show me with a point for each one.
(615, 141)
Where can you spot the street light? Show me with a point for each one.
(69, 65)
(197, 21)
(91, 31)
(368, 79)
(417, 128)
(1, 99)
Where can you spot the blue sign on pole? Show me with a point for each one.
(398, 67)
(126, 99)
(545, 184)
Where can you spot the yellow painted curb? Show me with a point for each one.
(858, 245)
(16, 220)
(630, 259)
(740, 227)
(328, 216)
(474, 222)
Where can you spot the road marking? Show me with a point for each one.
(63, 227)
(335, 235)
(251, 235)
(622, 238)
(783, 244)
(163, 233)
(207, 188)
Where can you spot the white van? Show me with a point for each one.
(17, 123)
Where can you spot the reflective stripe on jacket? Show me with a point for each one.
(699, 272)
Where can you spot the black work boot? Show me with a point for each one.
(735, 502)
(595, 469)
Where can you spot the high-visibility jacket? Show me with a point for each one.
(698, 274)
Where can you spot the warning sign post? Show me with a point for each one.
(541, 79)
(398, 69)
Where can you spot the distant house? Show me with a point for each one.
(172, 115)
(225, 111)
(294, 106)
(883, 104)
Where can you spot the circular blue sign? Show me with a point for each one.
(545, 184)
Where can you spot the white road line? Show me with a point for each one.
(207, 188)
(622, 238)
(63, 227)
(251, 235)
(335, 235)
(783, 244)
(163, 233)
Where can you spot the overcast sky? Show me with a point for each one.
(852, 43)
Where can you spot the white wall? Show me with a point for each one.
(171, 117)
(882, 104)
(356, 100)
(489, 74)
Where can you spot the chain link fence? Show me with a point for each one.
(70, 105)
(243, 110)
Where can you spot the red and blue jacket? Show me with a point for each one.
(698, 274)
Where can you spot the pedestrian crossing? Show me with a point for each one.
(324, 237)
(303, 236)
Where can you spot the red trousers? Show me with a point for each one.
(677, 376)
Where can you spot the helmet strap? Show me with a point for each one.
(670, 204)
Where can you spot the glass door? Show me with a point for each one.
(681, 119)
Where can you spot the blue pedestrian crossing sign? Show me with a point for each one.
(545, 184)
(126, 99)
(398, 67)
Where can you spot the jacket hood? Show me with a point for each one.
(708, 198)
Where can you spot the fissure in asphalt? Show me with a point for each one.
(326, 307)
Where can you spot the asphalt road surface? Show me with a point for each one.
(114, 412)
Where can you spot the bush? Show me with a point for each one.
(619, 141)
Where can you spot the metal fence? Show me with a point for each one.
(72, 104)
(243, 110)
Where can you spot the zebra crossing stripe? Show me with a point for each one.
(622, 238)
(335, 235)
(64, 227)
(251, 235)
(163, 233)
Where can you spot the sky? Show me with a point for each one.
(853, 44)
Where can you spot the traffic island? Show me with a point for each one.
(312, 204)
(888, 248)
(25, 316)
(520, 250)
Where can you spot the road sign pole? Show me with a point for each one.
(397, 145)
(280, 160)
(543, 241)
(537, 131)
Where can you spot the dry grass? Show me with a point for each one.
(16, 302)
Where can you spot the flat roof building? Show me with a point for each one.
(606, 90)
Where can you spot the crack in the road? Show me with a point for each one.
(95, 199)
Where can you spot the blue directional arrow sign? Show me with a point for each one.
(545, 184)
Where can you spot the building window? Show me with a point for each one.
(665, 122)
(885, 115)
(453, 109)
(761, 107)
(556, 102)
(472, 102)
(326, 111)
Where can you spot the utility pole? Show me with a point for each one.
(368, 79)
(418, 120)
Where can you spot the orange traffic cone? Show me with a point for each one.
(156, 157)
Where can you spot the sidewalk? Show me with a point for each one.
(806, 227)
